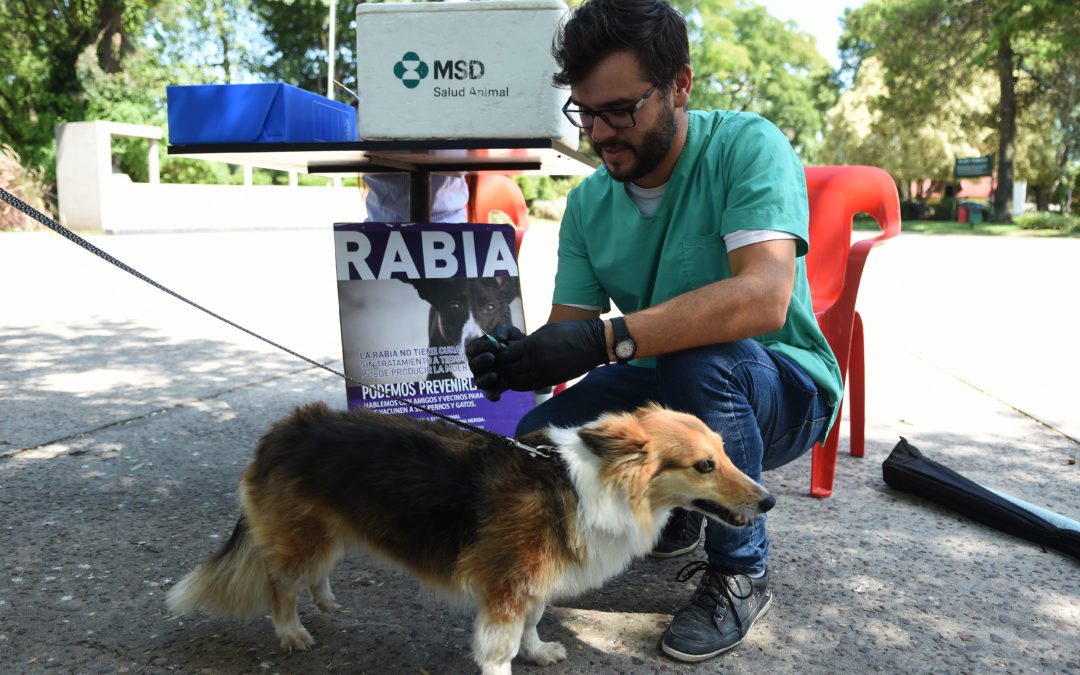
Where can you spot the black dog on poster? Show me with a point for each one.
(462, 309)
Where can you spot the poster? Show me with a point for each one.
(410, 297)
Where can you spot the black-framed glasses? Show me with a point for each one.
(619, 118)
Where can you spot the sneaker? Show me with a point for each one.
(682, 534)
(724, 607)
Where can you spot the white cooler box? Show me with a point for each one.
(459, 70)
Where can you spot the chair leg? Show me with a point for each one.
(823, 461)
(857, 385)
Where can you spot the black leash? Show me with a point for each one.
(15, 202)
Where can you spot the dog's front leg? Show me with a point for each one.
(495, 643)
(539, 652)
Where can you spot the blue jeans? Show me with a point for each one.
(765, 407)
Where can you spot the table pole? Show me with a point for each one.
(420, 195)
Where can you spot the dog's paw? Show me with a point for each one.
(323, 597)
(296, 639)
(545, 653)
(328, 605)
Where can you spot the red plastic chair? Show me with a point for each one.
(834, 268)
(495, 192)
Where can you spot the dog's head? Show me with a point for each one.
(464, 309)
(661, 458)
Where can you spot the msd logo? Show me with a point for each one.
(459, 70)
(411, 69)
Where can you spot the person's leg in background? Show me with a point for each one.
(387, 199)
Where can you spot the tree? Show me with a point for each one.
(1053, 73)
(40, 44)
(911, 149)
(927, 46)
(208, 41)
(746, 59)
(298, 33)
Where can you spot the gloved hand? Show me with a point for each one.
(481, 354)
(555, 353)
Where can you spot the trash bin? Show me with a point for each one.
(971, 212)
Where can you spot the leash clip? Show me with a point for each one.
(544, 451)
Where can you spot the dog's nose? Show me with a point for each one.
(767, 502)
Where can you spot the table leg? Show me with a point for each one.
(420, 195)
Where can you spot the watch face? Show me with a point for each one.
(624, 349)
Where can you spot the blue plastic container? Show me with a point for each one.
(255, 113)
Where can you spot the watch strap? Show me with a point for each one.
(620, 333)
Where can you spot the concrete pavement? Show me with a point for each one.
(126, 417)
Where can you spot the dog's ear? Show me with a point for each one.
(432, 290)
(623, 444)
(594, 440)
(614, 433)
(508, 290)
(421, 286)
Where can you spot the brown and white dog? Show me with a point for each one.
(467, 515)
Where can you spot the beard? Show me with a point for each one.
(647, 155)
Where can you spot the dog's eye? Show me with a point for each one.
(705, 466)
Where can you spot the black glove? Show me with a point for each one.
(481, 354)
(555, 353)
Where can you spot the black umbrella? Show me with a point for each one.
(909, 470)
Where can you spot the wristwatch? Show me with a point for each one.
(622, 345)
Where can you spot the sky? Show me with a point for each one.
(820, 18)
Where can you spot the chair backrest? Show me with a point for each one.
(836, 194)
(496, 192)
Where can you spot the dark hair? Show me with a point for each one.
(652, 29)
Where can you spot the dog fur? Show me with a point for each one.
(465, 514)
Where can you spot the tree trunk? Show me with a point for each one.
(111, 38)
(1007, 133)
(1042, 197)
(225, 63)
(221, 19)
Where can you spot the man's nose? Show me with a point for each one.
(601, 130)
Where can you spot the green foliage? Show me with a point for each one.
(745, 59)
(546, 187)
(863, 131)
(911, 209)
(208, 41)
(186, 170)
(928, 49)
(944, 209)
(298, 35)
(1047, 220)
(39, 45)
(131, 96)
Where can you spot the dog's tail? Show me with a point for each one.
(235, 581)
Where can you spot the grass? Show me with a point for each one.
(865, 223)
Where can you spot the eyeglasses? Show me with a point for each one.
(621, 118)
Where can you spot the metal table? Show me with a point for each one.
(418, 158)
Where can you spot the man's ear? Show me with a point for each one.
(684, 81)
